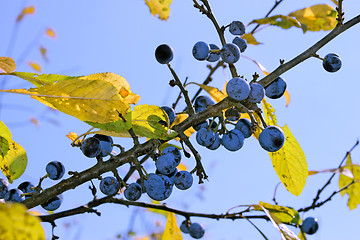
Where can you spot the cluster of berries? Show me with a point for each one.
(55, 170)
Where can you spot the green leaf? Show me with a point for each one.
(290, 161)
(283, 214)
(13, 159)
(352, 191)
(317, 17)
(282, 21)
(172, 231)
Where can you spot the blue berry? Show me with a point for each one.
(138, 181)
(238, 89)
(213, 57)
(171, 114)
(216, 144)
(237, 28)
(166, 163)
(185, 226)
(230, 53)
(257, 93)
(4, 187)
(133, 192)
(53, 204)
(233, 140)
(196, 230)
(200, 125)
(164, 54)
(91, 147)
(55, 170)
(231, 114)
(244, 125)
(25, 187)
(272, 138)
(332, 62)
(310, 225)
(202, 102)
(276, 88)
(205, 137)
(158, 187)
(183, 180)
(105, 144)
(241, 43)
(109, 186)
(14, 195)
(174, 151)
(201, 50)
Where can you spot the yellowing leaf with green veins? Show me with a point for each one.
(172, 231)
(283, 214)
(282, 21)
(95, 98)
(16, 223)
(250, 39)
(7, 64)
(215, 93)
(353, 191)
(317, 17)
(290, 161)
(159, 8)
(13, 159)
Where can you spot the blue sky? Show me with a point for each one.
(121, 37)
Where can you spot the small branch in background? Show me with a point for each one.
(179, 96)
(262, 234)
(131, 131)
(340, 17)
(275, 191)
(317, 197)
(277, 3)
(190, 108)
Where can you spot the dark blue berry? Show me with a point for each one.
(55, 170)
(164, 54)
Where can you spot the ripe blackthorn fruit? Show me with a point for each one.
(257, 93)
(275, 89)
(272, 138)
(332, 62)
(231, 114)
(213, 57)
(52, 204)
(244, 125)
(171, 114)
(233, 140)
(238, 89)
(205, 137)
(309, 225)
(216, 144)
(25, 187)
(14, 195)
(164, 54)
(105, 144)
(230, 53)
(201, 51)
(91, 147)
(185, 226)
(183, 180)
(196, 230)
(55, 170)
(237, 28)
(158, 187)
(4, 187)
(174, 151)
(109, 186)
(202, 102)
(133, 192)
(166, 163)
(241, 43)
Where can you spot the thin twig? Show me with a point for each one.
(270, 11)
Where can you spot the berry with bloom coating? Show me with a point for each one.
(272, 138)
(164, 54)
(257, 93)
(201, 51)
(105, 144)
(196, 230)
(309, 225)
(133, 192)
(183, 180)
(241, 43)
(244, 125)
(275, 89)
(174, 151)
(55, 170)
(52, 204)
(332, 62)
(233, 140)
(205, 137)
(230, 53)
(25, 187)
(14, 195)
(166, 163)
(185, 226)
(213, 57)
(237, 28)
(4, 187)
(91, 147)
(238, 89)
(202, 102)
(158, 187)
(232, 114)
(170, 112)
(109, 186)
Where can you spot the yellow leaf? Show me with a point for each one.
(7, 64)
(336, 2)
(159, 7)
(35, 66)
(250, 39)
(16, 223)
(50, 32)
(181, 167)
(317, 17)
(172, 231)
(181, 117)
(93, 98)
(352, 191)
(26, 11)
(283, 214)
(290, 161)
(4, 131)
(282, 21)
(287, 96)
(215, 93)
